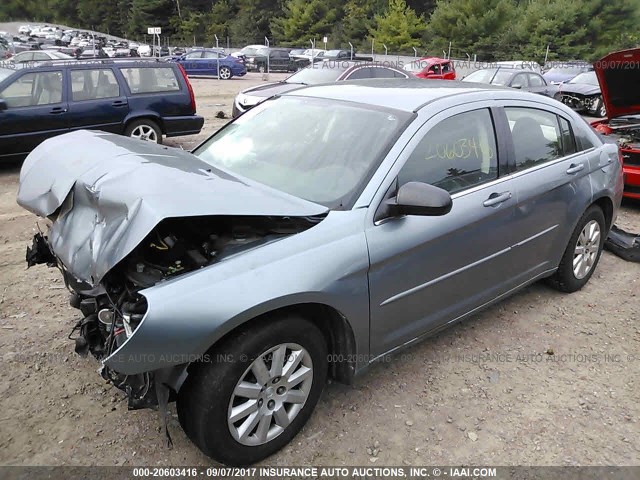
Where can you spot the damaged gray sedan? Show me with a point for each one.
(313, 235)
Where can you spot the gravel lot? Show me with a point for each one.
(540, 379)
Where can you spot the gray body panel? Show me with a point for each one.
(393, 281)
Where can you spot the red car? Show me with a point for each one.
(432, 68)
(619, 78)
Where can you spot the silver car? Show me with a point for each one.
(316, 233)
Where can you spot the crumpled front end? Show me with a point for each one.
(126, 216)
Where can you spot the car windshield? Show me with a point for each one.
(416, 66)
(567, 70)
(248, 51)
(262, 52)
(589, 78)
(320, 150)
(493, 76)
(332, 53)
(316, 74)
(5, 72)
(59, 56)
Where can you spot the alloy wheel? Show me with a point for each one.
(587, 249)
(225, 73)
(145, 132)
(270, 394)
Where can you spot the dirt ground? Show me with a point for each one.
(540, 379)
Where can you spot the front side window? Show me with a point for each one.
(93, 84)
(458, 153)
(151, 80)
(321, 150)
(536, 80)
(31, 89)
(535, 134)
(520, 81)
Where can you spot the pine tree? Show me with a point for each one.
(399, 28)
(304, 20)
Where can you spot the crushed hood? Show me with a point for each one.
(110, 191)
(580, 88)
(619, 77)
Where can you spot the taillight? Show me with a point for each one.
(186, 79)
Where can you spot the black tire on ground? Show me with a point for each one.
(145, 129)
(565, 279)
(204, 399)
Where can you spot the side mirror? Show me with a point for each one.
(3, 105)
(417, 198)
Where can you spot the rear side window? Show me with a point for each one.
(151, 80)
(568, 140)
(456, 154)
(42, 88)
(93, 84)
(365, 72)
(536, 136)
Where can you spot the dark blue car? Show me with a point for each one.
(145, 99)
(206, 62)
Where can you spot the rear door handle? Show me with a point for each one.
(57, 110)
(573, 168)
(496, 199)
(119, 103)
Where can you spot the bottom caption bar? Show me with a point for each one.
(320, 473)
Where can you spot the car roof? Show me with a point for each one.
(400, 94)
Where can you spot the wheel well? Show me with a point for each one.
(156, 120)
(333, 325)
(606, 205)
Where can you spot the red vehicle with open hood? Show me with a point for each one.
(619, 77)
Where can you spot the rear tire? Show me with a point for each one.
(239, 417)
(225, 73)
(582, 254)
(144, 129)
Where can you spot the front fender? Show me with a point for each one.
(326, 264)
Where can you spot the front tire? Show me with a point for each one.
(256, 391)
(583, 252)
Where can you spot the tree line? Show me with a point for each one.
(489, 29)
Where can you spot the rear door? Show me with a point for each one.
(97, 101)
(551, 182)
(37, 110)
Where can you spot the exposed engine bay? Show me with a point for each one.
(113, 310)
(582, 103)
(626, 133)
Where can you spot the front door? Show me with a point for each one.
(427, 271)
(37, 109)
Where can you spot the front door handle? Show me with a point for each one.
(57, 110)
(573, 168)
(496, 199)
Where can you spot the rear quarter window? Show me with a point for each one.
(151, 79)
